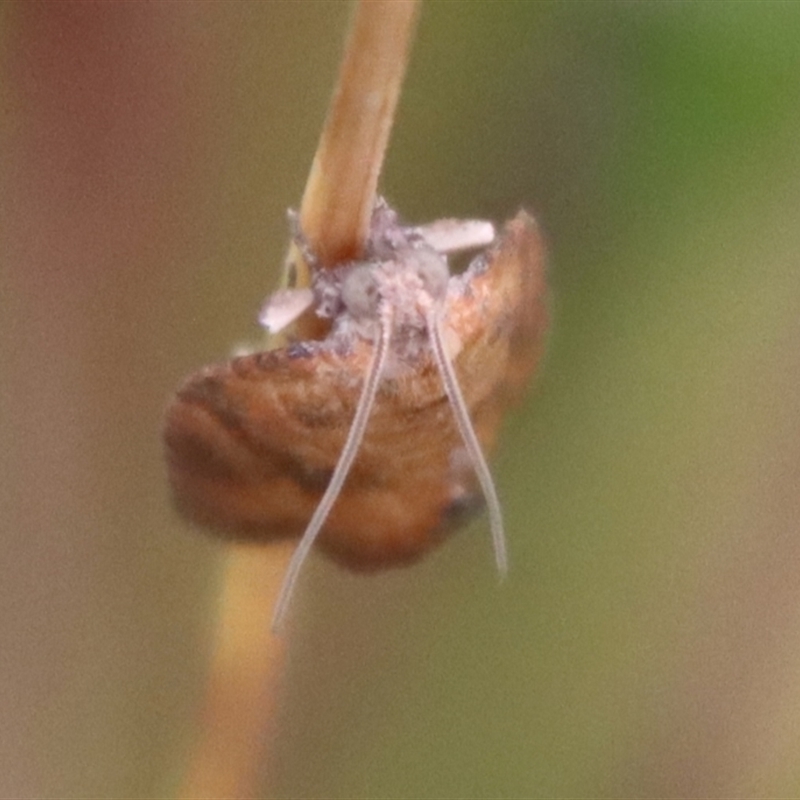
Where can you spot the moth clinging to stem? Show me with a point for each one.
(364, 427)
(369, 441)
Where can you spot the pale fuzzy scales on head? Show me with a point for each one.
(412, 285)
(401, 271)
(409, 270)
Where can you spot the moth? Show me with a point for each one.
(369, 442)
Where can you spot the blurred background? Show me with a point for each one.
(647, 641)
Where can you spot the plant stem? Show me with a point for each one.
(244, 674)
(340, 192)
(247, 660)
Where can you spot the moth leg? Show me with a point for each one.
(283, 307)
(454, 235)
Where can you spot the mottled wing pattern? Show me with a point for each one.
(501, 318)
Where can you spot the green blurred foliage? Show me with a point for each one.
(646, 642)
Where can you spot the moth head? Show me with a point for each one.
(410, 283)
(361, 292)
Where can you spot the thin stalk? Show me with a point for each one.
(244, 674)
(247, 659)
(340, 191)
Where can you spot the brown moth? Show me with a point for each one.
(369, 442)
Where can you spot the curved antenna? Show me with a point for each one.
(349, 451)
(470, 438)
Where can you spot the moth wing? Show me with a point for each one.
(496, 322)
(251, 443)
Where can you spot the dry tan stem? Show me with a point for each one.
(340, 191)
(244, 674)
(246, 664)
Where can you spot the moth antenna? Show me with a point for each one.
(340, 472)
(470, 438)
